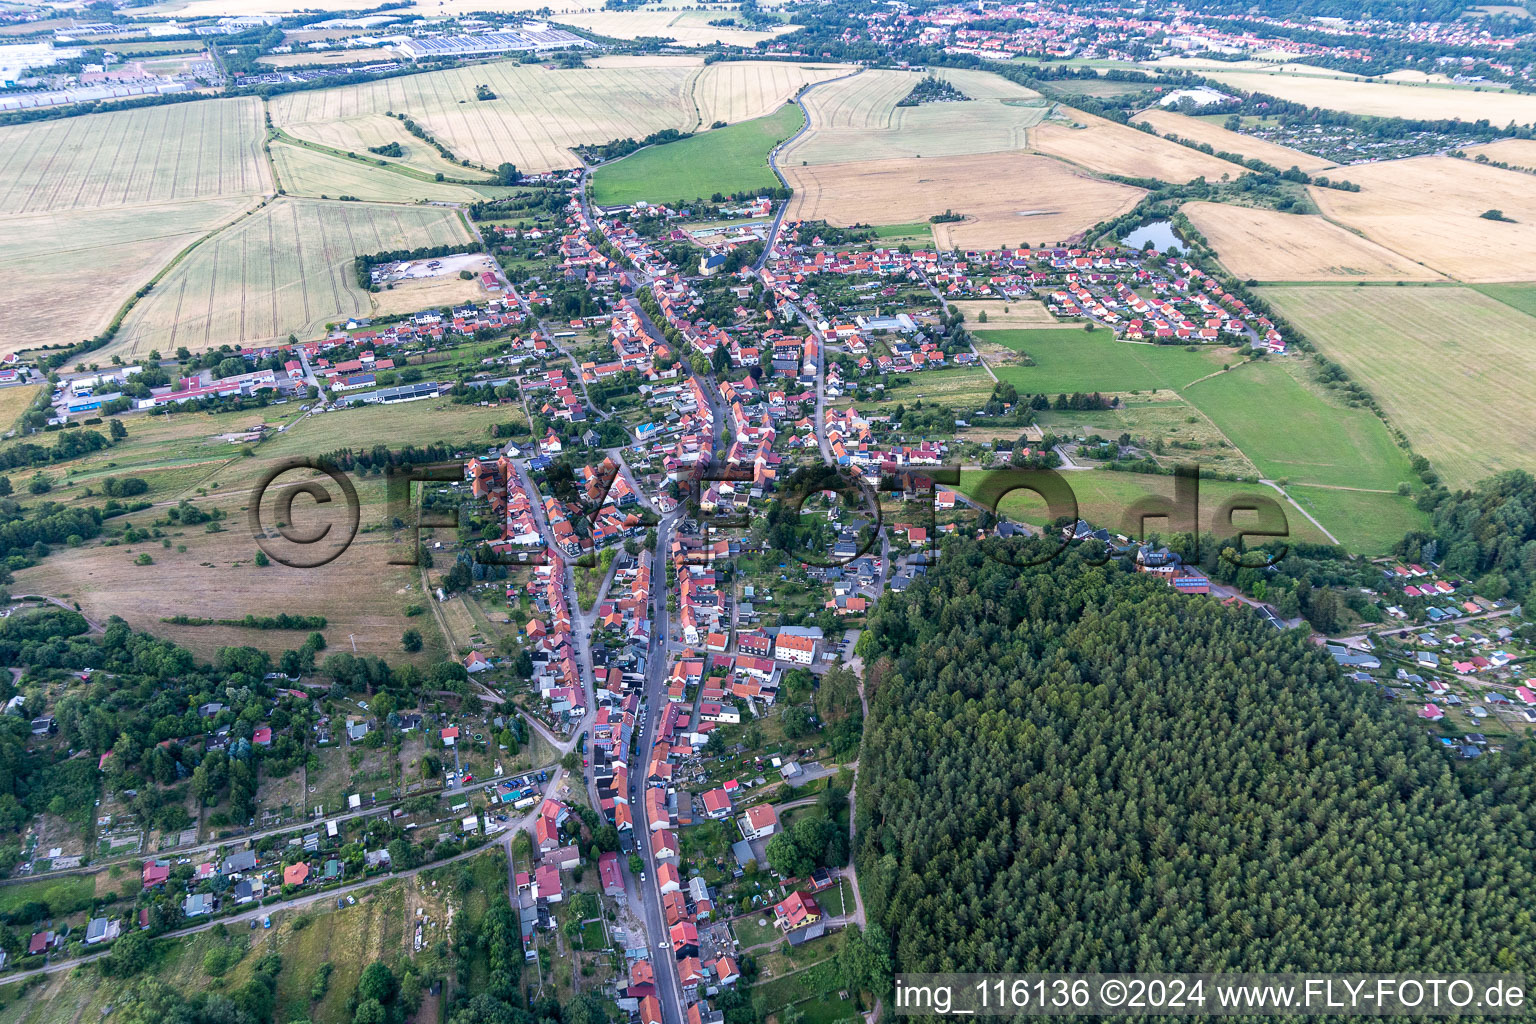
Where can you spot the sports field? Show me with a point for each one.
(1170, 122)
(857, 119)
(1292, 433)
(1267, 245)
(1386, 99)
(306, 172)
(1454, 369)
(1069, 359)
(539, 114)
(162, 154)
(1006, 198)
(727, 160)
(1430, 209)
(1105, 147)
(286, 269)
(68, 272)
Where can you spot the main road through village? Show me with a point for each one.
(642, 895)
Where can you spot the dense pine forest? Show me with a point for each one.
(1075, 768)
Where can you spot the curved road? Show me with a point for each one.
(773, 164)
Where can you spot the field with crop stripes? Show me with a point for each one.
(1453, 369)
(285, 269)
(161, 154)
(539, 114)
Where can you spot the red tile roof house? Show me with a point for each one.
(296, 874)
(608, 870)
(717, 803)
(546, 883)
(156, 872)
(759, 821)
(796, 910)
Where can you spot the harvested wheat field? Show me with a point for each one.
(1268, 245)
(1108, 148)
(1452, 368)
(1006, 198)
(1167, 122)
(1013, 313)
(539, 114)
(1515, 152)
(614, 61)
(1429, 209)
(685, 28)
(429, 293)
(735, 91)
(984, 85)
(359, 134)
(1386, 99)
(287, 269)
(305, 172)
(865, 100)
(857, 119)
(48, 255)
(162, 154)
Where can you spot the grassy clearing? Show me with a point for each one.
(1149, 417)
(14, 401)
(1069, 359)
(1292, 432)
(307, 172)
(362, 595)
(173, 453)
(284, 270)
(56, 892)
(349, 939)
(1520, 296)
(730, 159)
(1451, 367)
(961, 388)
(417, 422)
(1365, 522)
(1103, 498)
